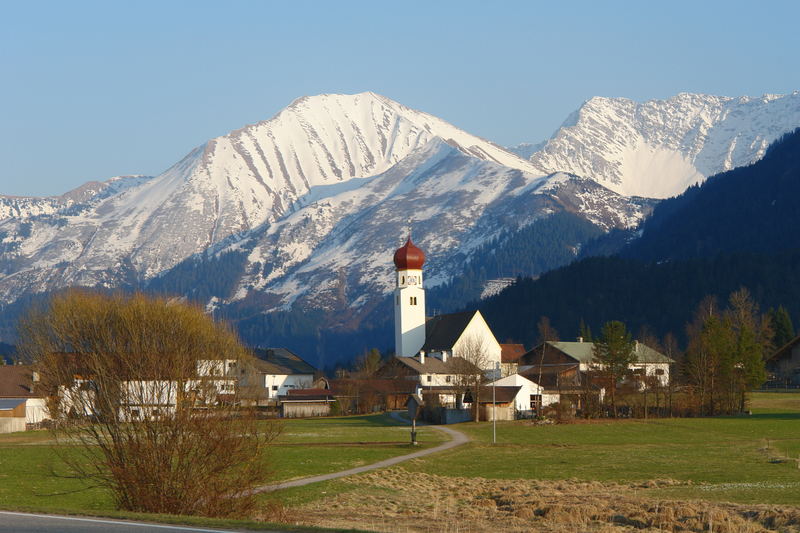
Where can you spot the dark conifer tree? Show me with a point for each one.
(781, 325)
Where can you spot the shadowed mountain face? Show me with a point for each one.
(736, 230)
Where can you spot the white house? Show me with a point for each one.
(20, 382)
(554, 354)
(531, 396)
(147, 399)
(277, 371)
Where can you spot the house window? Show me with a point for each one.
(413, 300)
(428, 379)
(402, 280)
(274, 387)
(659, 371)
(536, 402)
(447, 379)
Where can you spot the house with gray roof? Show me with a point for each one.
(555, 356)
(441, 371)
(276, 371)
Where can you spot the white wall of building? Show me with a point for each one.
(477, 334)
(280, 384)
(36, 410)
(523, 400)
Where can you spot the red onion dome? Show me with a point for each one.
(408, 257)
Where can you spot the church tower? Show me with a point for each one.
(409, 301)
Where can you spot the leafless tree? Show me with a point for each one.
(547, 333)
(469, 368)
(147, 390)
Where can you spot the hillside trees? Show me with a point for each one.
(726, 351)
(124, 381)
(612, 355)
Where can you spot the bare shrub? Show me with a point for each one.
(147, 388)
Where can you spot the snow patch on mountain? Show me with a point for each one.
(658, 148)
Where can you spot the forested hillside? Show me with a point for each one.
(752, 208)
(738, 229)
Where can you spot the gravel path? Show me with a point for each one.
(457, 437)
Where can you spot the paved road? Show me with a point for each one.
(39, 523)
(458, 439)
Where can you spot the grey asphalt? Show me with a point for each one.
(458, 439)
(40, 523)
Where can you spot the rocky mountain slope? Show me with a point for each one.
(315, 199)
(660, 147)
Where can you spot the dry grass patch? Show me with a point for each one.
(399, 500)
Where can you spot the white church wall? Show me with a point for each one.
(478, 334)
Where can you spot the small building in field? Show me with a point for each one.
(531, 396)
(20, 382)
(498, 402)
(785, 364)
(277, 371)
(306, 403)
(12, 415)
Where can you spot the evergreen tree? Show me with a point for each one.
(781, 326)
(612, 354)
(753, 341)
(584, 332)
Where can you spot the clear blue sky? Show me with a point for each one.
(89, 90)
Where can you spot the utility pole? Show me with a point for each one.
(494, 403)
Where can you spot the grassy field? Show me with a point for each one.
(33, 477)
(748, 459)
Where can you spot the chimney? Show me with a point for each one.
(422, 357)
(580, 339)
(444, 356)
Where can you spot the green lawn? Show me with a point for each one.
(32, 475)
(745, 459)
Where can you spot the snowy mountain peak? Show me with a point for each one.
(658, 148)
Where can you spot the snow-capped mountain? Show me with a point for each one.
(316, 198)
(660, 147)
(250, 178)
(20, 207)
(336, 253)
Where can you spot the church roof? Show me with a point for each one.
(408, 257)
(443, 331)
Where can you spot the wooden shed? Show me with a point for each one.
(12, 415)
(306, 403)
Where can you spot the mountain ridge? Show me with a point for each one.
(307, 206)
